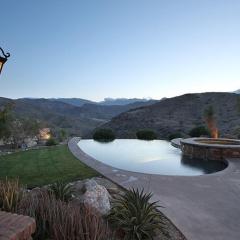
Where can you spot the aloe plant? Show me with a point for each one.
(134, 214)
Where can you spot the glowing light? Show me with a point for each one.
(44, 133)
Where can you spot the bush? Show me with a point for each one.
(175, 135)
(146, 134)
(11, 193)
(51, 142)
(60, 220)
(61, 191)
(199, 131)
(135, 215)
(104, 135)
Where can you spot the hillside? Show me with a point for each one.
(180, 114)
(57, 114)
(72, 101)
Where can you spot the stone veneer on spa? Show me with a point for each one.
(210, 149)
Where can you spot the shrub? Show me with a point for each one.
(51, 142)
(11, 193)
(199, 131)
(146, 134)
(135, 215)
(175, 135)
(61, 191)
(60, 220)
(104, 135)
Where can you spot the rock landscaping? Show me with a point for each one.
(100, 192)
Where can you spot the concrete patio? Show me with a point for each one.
(203, 207)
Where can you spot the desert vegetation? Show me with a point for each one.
(175, 135)
(146, 134)
(133, 216)
(104, 135)
(51, 142)
(55, 218)
(199, 131)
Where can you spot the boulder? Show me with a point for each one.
(96, 196)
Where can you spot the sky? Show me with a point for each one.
(119, 48)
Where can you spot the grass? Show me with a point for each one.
(44, 166)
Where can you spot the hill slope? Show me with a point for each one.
(179, 114)
(57, 114)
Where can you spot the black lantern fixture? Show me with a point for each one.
(3, 58)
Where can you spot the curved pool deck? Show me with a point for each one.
(203, 207)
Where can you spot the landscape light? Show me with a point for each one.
(3, 58)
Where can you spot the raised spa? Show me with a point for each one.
(153, 157)
(210, 148)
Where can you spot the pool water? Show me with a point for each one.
(154, 157)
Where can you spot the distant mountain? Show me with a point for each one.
(73, 101)
(107, 101)
(77, 120)
(179, 114)
(237, 91)
(107, 112)
(122, 101)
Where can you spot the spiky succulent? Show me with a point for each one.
(134, 214)
(61, 191)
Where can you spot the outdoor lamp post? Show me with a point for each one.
(3, 58)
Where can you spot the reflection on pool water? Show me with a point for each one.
(154, 157)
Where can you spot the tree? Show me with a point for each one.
(5, 118)
(21, 129)
(15, 130)
(62, 135)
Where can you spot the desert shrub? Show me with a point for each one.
(11, 193)
(199, 131)
(135, 215)
(104, 135)
(51, 142)
(174, 135)
(62, 191)
(146, 134)
(59, 220)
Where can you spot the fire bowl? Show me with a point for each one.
(210, 148)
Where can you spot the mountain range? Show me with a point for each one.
(179, 115)
(77, 116)
(126, 116)
(107, 101)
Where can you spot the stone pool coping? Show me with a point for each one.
(202, 207)
(197, 142)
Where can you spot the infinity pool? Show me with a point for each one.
(154, 157)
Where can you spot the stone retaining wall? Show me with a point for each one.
(209, 153)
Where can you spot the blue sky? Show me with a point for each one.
(119, 48)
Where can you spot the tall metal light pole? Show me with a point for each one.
(3, 58)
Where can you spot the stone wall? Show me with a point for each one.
(209, 153)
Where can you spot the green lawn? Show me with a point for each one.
(44, 166)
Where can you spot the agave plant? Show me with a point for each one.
(134, 214)
(62, 191)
